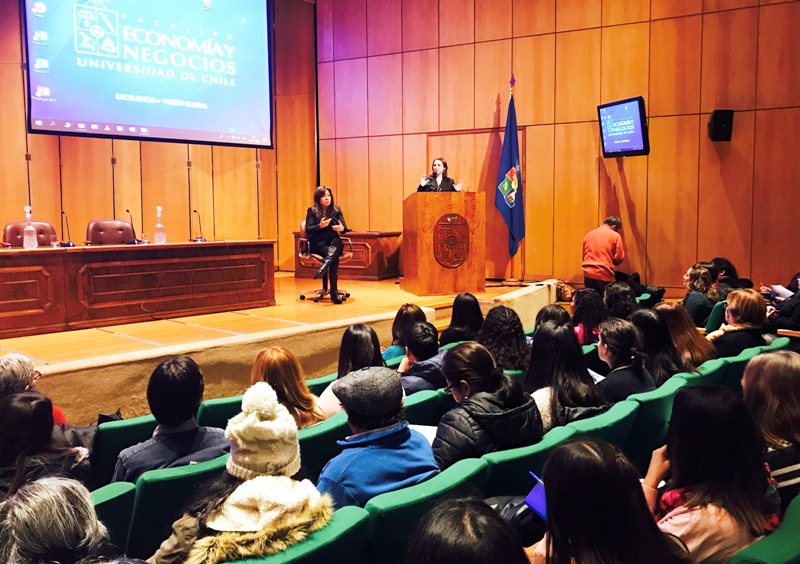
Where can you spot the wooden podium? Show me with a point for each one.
(443, 243)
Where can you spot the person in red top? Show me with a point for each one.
(602, 251)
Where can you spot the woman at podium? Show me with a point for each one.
(324, 223)
(438, 181)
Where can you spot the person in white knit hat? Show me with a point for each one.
(255, 508)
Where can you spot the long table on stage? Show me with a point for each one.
(56, 289)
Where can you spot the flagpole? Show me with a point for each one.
(512, 280)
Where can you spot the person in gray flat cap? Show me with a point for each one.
(383, 454)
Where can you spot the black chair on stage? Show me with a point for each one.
(311, 260)
(109, 232)
(14, 233)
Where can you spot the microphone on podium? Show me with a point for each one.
(69, 242)
(135, 240)
(199, 238)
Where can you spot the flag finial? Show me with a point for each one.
(512, 81)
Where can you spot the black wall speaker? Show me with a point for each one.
(720, 125)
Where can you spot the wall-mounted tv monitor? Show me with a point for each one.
(623, 128)
(193, 71)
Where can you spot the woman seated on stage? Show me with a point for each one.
(324, 223)
(280, 368)
(438, 181)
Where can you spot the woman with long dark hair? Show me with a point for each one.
(407, 315)
(324, 223)
(503, 336)
(620, 347)
(717, 497)
(492, 410)
(557, 377)
(688, 341)
(588, 312)
(466, 320)
(663, 359)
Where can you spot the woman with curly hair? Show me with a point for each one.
(503, 336)
(700, 294)
(588, 312)
(620, 300)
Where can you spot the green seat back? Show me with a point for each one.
(449, 346)
(341, 541)
(593, 361)
(731, 376)
(518, 375)
(644, 298)
(395, 514)
(780, 547)
(708, 373)
(614, 426)
(216, 412)
(318, 385)
(114, 506)
(161, 497)
(395, 362)
(649, 429)
(318, 443)
(422, 408)
(530, 332)
(508, 469)
(716, 317)
(778, 344)
(112, 438)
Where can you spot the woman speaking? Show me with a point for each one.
(324, 223)
(438, 181)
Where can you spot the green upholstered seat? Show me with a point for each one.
(779, 547)
(114, 506)
(216, 412)
(508, 469)
(518, 375)
(614, 426)
(318, 385)
(112, 438)
(318, 443)
(731, 375)
(449, 346)
(423, 408)
(644, 298)
(708, 373)
(717, 316)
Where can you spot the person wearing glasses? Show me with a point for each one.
(17, 375)
(493, 412)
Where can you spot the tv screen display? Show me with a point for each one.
(623, 128)
(173, 70)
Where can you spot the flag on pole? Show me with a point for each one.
(508, 198)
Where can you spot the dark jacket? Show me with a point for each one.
(320, 238)
(451, 335)
(787, 314)
(424, 375)
(481, 424)
(624, 381)
(447, 185)
(733, 343)
(698, 306)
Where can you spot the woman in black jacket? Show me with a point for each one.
(324, 223)
(493, 412)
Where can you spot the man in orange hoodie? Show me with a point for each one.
(602, 251)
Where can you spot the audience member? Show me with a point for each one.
(174, 393)
(620, 347)
(464, 531)
(663, 359)
(255, 508)
(552, 312)
(588, 312)
(771, 386)
(785, 314)
(280, 368)
(596, 511)
(744, 321)
(383, 454)
(700, 295)
(359, 348)
(466, 320)
(602, 251)
(27, 452)
(620, 300)
(406, 315)
(18, 374)
(492, 410)
(728, 278)
(717, 499)
(689, 342)
(503, 336)
(422, 367)
(557, 377)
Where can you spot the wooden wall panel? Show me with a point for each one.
(268, 219)
(535, 74)
(776, 254)
(716, 5)
(324, 16)
(456, 95)
(165, 183)
(778, 53)
(383, 27)
(326, 101)
(576, 195)
(420, 91)
(349, 29)
(386, 183)
(533, 17)
(415, 162)
(416, 33)
(729, 60)
(11, 38)
(539, 199)
(488, 147)
(492, 19)
(624, 67)
(492, 75)
(625, 11)
(456, 22)
(726, 194)
(201, 190)
(128, 178)
(292, 48)
(577, 75)
(577, 14)
(44, 172)
(675, 51)
(86, 183)
(351, 91)
(672, 199)
(670, 9)
(13, 167)
(352, 164)
(327, 163)
(385, 97)
(235, 193)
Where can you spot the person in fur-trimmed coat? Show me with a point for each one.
(255, 508)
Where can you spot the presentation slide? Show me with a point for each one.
(621, 127)
(187, 70)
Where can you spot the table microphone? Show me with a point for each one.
(200, 238)
(69, 242)
(135, 240)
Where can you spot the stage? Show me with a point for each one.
(90, 371)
